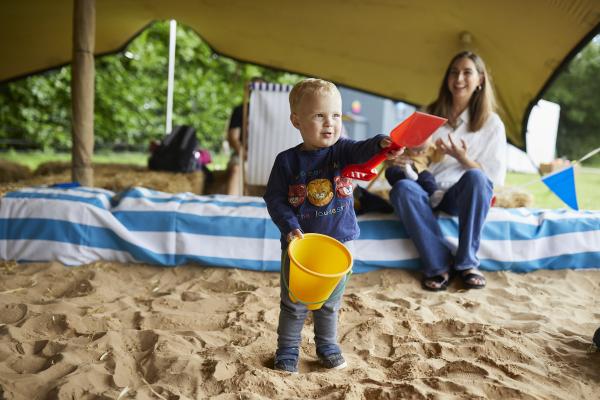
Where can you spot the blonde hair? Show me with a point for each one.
(310, 86)
(482, 102)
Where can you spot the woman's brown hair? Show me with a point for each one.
(482, 102)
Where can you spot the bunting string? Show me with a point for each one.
(562, 182)
(536, 180)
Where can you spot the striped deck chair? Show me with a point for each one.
(268, 132)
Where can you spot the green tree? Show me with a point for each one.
(36, 110)
(577, 90)
(131, 89)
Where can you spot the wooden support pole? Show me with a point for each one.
(82, 91)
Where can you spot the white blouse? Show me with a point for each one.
(486, 146)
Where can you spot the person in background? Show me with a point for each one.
(473, 143)
(306, 193)
(235, 139)
(418, 159)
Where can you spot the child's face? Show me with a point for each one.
(319, 119)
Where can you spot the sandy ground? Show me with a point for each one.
(129, 331)
(115, 331)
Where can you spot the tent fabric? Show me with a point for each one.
(397, 49)
(81, 225)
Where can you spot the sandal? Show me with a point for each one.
(469, 279)
(436, 283)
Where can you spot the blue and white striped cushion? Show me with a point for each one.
(82, 225)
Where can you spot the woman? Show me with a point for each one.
(473, 144)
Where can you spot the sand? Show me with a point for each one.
(131, 331)
(125, 331)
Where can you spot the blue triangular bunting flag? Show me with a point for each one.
(562, 184)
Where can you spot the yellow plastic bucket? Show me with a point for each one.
(317, 264)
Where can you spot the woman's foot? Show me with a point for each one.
(436, 283)
(472, 278)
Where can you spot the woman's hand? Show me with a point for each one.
(456, 150)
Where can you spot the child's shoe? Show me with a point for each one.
(331, 357)
(286, 359)
(436, 198)
(410, 172)
(393, 174)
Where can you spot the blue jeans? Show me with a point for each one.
(292, 315)
(469, 199)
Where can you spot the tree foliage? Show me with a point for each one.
(131, 91)
(37, 110)
(577, 90)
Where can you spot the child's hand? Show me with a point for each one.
(385, 142)
(390, 155)
(295, 234)
(421, 149)
(400, 161)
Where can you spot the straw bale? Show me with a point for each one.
(510, 197)
(115, 177)
(12, 171)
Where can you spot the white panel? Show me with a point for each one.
(542, 128)
(269, 130)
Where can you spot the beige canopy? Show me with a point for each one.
(394, 48)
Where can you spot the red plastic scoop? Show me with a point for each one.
(412, 132)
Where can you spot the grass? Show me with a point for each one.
(33, 159)
(587, 180)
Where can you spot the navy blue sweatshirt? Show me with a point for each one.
(305, 190)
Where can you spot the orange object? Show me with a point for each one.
(412, 132)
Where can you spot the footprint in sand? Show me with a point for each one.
(141, 340)
(499, 297)
(32, 364)
(450, 328)
(51, 324)
(525, 316)
(461, 368)
(397, 391)
(360, 304)
(507, 369)
(523, 327)
(192, 296)
(42, 348)
(79, 288)
(12, 313)
(408, 367)
(398, 301)
(34, 347)
(75, 284)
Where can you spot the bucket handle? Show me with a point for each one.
(337, 293)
